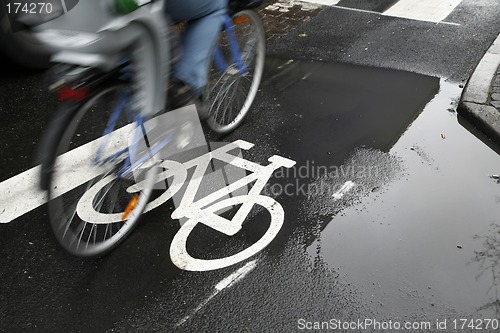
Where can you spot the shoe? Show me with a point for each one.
(180, 95)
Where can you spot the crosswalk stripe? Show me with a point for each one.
(423, 10)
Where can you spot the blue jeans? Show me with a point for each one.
(204, 21)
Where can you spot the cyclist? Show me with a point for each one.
(204, 20)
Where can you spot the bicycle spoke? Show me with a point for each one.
(99, 203)
(69, 221)
(90, 235)
(81, 235)
(106, 231)
(234, 91)
(222, 98)
(221, 94)
(227, 107)
(216, 84)
(113, 202)
(95, 234)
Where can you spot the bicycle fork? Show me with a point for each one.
(220, 62)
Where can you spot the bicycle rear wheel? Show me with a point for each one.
(86, 157)
(230, 91)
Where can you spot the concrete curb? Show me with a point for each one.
(485, 117)
(474, 104)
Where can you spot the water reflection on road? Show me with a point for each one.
(425, 242)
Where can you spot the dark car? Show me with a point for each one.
(16, 41)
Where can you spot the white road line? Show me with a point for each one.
(348, 185)
(358, 10)
(237, 276)
(322, 2)
(227, 282)
(423, 10)
(21, 193)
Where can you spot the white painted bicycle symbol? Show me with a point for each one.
(206, 210)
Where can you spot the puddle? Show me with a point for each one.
(418, 246)
(335, 108)
(366, 171)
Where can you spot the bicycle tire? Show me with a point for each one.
(73, 173)
(229, 95)
(183, 260)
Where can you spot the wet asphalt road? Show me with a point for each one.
(368, 98)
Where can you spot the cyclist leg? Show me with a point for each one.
(204, 20)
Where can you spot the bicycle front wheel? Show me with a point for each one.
(94, 149)
(233, 80)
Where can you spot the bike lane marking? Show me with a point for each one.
(225, 283)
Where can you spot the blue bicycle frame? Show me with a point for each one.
(221, 65)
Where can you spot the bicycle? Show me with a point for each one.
(115, 82)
